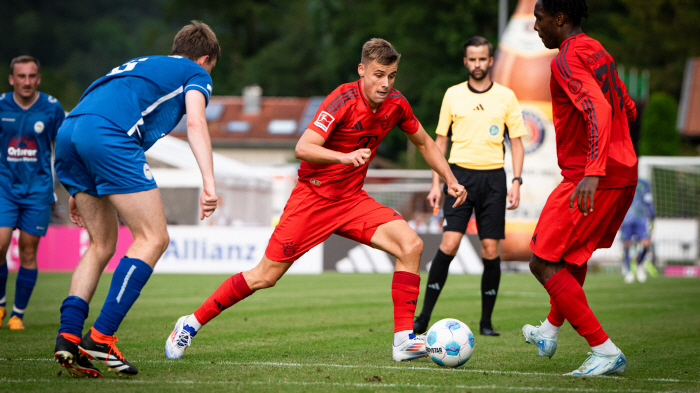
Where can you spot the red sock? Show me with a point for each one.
(404, 292)
(230, 292)
(71, 337)
(556, 317)
(571, 300)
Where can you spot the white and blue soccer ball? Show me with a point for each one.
(450, 343)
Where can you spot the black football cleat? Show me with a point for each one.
(420, 325)
(488, 331)
(68, 355)
(106, 352)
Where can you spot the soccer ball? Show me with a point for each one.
(450, 343)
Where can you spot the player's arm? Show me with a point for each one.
(443, 128)
(310, 149)
(435, 191)
(581, 86)
(516, 130)
(436, 159)
(200, 143)
(517, 152)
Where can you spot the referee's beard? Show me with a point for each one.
(474, 75)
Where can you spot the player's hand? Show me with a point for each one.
(356, 158)
(434, 197)
(207, 203)
(514, 196)
(458, 191)
(585, 190)
(74, 213)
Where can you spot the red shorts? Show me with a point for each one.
(569, 235)
(309, 219)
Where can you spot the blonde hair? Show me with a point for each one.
(379, 50)
(196, 40)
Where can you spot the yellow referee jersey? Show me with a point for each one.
(478, 123)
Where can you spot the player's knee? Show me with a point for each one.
(27, 254)
(266, 281)
(162, 242)
(449, 246)
(413, 247)
(535, 266)
(104, 251)
(489, 252)
(489, 249)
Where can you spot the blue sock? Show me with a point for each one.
(626, 258)
(128, 279)
(642, 254)
(24, 285)
(74, 311)
(3, 283)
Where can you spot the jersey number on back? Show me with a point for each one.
(605, 74)
(126, 67)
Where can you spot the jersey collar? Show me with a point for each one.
(571, 38)
(38, 96)
(473, 90)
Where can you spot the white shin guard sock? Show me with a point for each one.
(192, 321)
(607, 348)
(549, 330)
(401, 336)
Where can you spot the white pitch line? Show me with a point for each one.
(433, 369)
(339, 384)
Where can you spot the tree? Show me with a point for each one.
(659, 136)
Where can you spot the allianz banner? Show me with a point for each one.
(192, 249)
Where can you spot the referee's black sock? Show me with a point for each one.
(436, 280)
(489, 289)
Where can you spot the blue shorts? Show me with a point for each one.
(635, 227)
(32, 218)
(95, 156)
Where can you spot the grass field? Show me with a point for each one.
(332, 332)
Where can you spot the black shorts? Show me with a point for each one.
(486, 195)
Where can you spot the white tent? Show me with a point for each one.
(244, 192)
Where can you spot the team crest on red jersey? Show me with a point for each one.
(575, 86)
(324, 120)
(386, 122)
(289, 249)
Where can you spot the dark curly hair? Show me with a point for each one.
(575, 9)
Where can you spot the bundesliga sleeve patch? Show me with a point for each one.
(324, 120)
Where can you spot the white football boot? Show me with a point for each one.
(597, 364)
(546, 346)
(179, 339)
(641, 273)
(411, 348)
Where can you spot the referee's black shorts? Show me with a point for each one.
(486, 195)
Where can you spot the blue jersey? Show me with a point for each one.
(642, 204)
(26, 136)
(145, 96)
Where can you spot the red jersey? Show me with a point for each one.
(347, 123)
(591, 111)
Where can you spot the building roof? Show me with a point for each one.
(279, 122)
(688, 122)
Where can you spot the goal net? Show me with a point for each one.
(675, 185)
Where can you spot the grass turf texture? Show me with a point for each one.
(332, 332)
